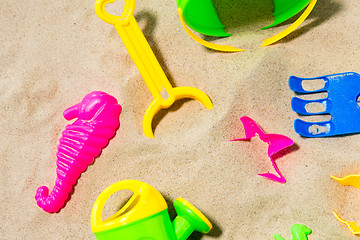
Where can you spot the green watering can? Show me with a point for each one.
(145, 216)
(201, 16)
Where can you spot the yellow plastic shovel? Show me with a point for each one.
(147, 64)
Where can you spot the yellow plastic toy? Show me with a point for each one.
(147, 64)
(214, 46)
(145, 216)
(354, 181)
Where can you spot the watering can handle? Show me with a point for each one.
(96, 213)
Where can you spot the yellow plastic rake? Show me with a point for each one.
(147, 64)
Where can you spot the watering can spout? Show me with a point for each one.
(189, 219)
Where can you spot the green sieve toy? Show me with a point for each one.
(145, 216)
(201, 16)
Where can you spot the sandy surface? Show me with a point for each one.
(54, 52)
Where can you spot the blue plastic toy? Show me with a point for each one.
(343, 91)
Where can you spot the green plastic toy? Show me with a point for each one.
(201, 16)
(145, 216)
(285, 9)
(299, 232)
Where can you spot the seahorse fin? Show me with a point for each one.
(72, 112)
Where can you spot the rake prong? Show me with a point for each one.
(313, 129)
(299, 106)
(295, 84)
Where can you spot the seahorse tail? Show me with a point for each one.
(68, 171)
(56, 200)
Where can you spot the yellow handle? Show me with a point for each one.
(137, 46)
(292, 27)
(145, 202)
(112, 19)
(96, 214)
(214, 46)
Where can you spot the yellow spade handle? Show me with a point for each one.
(147, 64)
(137, 46)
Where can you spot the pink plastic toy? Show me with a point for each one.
(276, 143)
(97, 121)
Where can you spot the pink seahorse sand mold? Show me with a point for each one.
(276, 143)
(97, 121)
